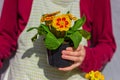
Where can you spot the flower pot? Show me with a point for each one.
(55, 59)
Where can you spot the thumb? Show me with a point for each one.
(79, 48)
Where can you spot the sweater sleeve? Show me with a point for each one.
(102, 44)
(8, 29)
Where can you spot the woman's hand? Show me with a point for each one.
(77, 56)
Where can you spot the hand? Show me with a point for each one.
(77, 56)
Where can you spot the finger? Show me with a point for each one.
(69, 49)
(79, 52)
(82, 52)
(66, 52)
(79, 48)
(72, 58)
(73, 66)
(71, 53)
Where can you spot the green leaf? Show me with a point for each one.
(76, 37)
(34, 37)
(85, 34)
(51, 42)
(46, 28)
(78, 23)
(32, 29)
(41, 31)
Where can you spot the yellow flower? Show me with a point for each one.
(94, 75)
(61, 22)
(102, 77)
(72, 17)
(97, 74)
(87, 76)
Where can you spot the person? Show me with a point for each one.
(29, 60)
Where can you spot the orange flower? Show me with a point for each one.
(61, 22)
(48, 18)
(72, 17)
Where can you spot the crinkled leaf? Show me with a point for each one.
(78, 23)
(76, 37)
(41, 31)
(85, 34)
(46, 28)
(51, 42)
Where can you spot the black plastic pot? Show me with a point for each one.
(55, 59)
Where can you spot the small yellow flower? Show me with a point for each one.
(48, 18)
(94, 75)
(97, 74)
(87, 76)
(61, 22)
(72, 17)
(102, 77)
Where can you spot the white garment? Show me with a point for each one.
(30, 61)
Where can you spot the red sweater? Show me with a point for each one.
(101, 46)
